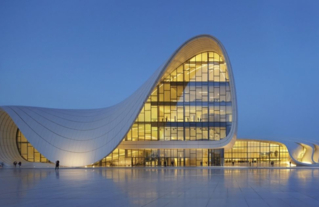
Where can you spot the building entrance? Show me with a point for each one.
(216, 157)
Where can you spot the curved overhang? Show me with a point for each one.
(82, 137)
(302, 152)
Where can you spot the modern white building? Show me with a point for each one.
(185, 114)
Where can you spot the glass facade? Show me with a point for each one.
(27, 151)
(257, 153)
(243, 153)
(163, 157)
(193, 102)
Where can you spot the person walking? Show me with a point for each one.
(57, 164)
(15, 163)
(19, 163)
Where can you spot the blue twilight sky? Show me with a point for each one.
(90, 54)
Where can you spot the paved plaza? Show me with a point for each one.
(160, 187)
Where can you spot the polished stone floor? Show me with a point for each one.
(159, 187)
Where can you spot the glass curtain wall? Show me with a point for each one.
(27, 151)
(193, 102)
(243, 153)
(163, 157)
(255, 153)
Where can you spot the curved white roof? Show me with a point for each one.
(82, 137)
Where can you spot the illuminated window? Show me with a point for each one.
(190, 103)
(257, 153)
(196, 91)
(27, 151)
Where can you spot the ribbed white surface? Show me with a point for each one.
(8, 145)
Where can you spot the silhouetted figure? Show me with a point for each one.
(15, 163)
(20, 164)
(290, 163)
(233, 163)
(57, 164)
(2, 164)
(272, 163)
(172, 163)
(164, 163)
